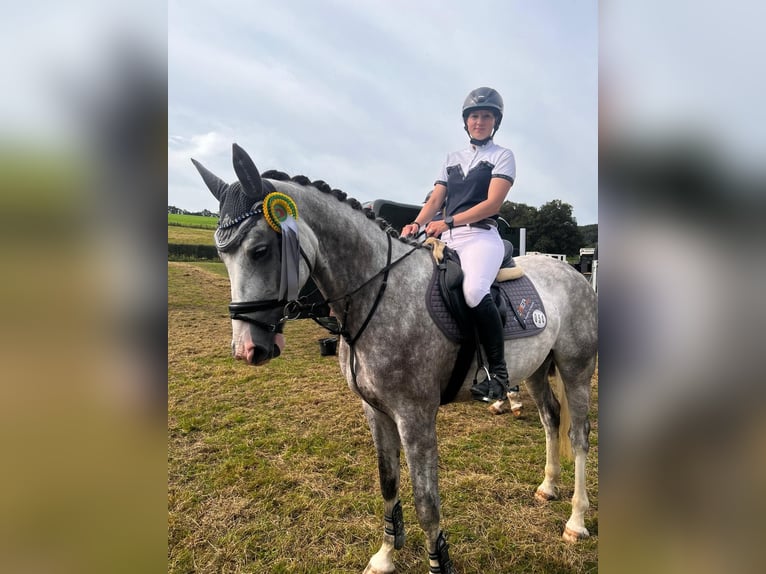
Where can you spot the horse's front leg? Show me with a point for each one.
(387, 443)
(418, 433)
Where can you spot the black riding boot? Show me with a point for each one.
(490, 328)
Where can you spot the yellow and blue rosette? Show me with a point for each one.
(276, 208)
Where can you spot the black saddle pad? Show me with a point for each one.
(520, 295)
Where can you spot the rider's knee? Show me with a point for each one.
(473, 296)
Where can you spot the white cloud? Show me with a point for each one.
(367, 95)
(197, 146)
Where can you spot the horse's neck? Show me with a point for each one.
(350, 250)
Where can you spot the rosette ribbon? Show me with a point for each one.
(281, 212)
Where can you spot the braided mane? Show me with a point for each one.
(324, 187)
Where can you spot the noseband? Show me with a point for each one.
(242, 310)
(239, 310)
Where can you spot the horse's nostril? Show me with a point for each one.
(259, 355)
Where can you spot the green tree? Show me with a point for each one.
(589, 235)
(518, 214)
(555, 230)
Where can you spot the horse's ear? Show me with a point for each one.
(214, 183)
(247, 173)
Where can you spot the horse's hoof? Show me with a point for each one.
(371, 570)
(498, 407)
(571, 535)
(381, 562)
(542, 496)
(514, 400)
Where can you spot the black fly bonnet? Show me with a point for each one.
(242, 203)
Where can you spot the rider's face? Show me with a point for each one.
(480, 124)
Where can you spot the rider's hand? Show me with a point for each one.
(436, 228)
(410, 229)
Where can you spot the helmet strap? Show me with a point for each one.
(474, 141)
(481, 142)
(485, 140)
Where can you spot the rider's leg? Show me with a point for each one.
(490, 328)
(481, 253)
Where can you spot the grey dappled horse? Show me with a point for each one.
(392, 354)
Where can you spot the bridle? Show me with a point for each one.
(240, 310)
(291, 309)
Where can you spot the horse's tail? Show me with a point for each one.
(565, 419)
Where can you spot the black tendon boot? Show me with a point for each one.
(490, 329)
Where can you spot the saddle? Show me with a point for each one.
(516, 297)
(513, 292)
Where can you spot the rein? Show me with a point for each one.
(297, 307)
(351, 340)
(239, 310)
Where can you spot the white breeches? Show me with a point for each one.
(481, 254)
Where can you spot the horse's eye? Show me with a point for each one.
(258, 251)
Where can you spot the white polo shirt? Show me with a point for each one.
(467, 173)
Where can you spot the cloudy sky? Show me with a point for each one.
(367, 94)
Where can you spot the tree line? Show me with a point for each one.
(551, 228)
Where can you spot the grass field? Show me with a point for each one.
(191, 229)
(272, 469)
(184, 220)
(190, 235)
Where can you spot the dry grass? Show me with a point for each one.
(272, 469)
(190, 235)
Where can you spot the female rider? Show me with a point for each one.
(470, 189)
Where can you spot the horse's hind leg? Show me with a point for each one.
(576, 377)
(550, 413)
(387, 443)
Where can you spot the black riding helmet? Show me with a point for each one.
(484, 99)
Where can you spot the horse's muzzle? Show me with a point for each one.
(256, 353)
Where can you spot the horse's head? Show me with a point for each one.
(259, 247)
